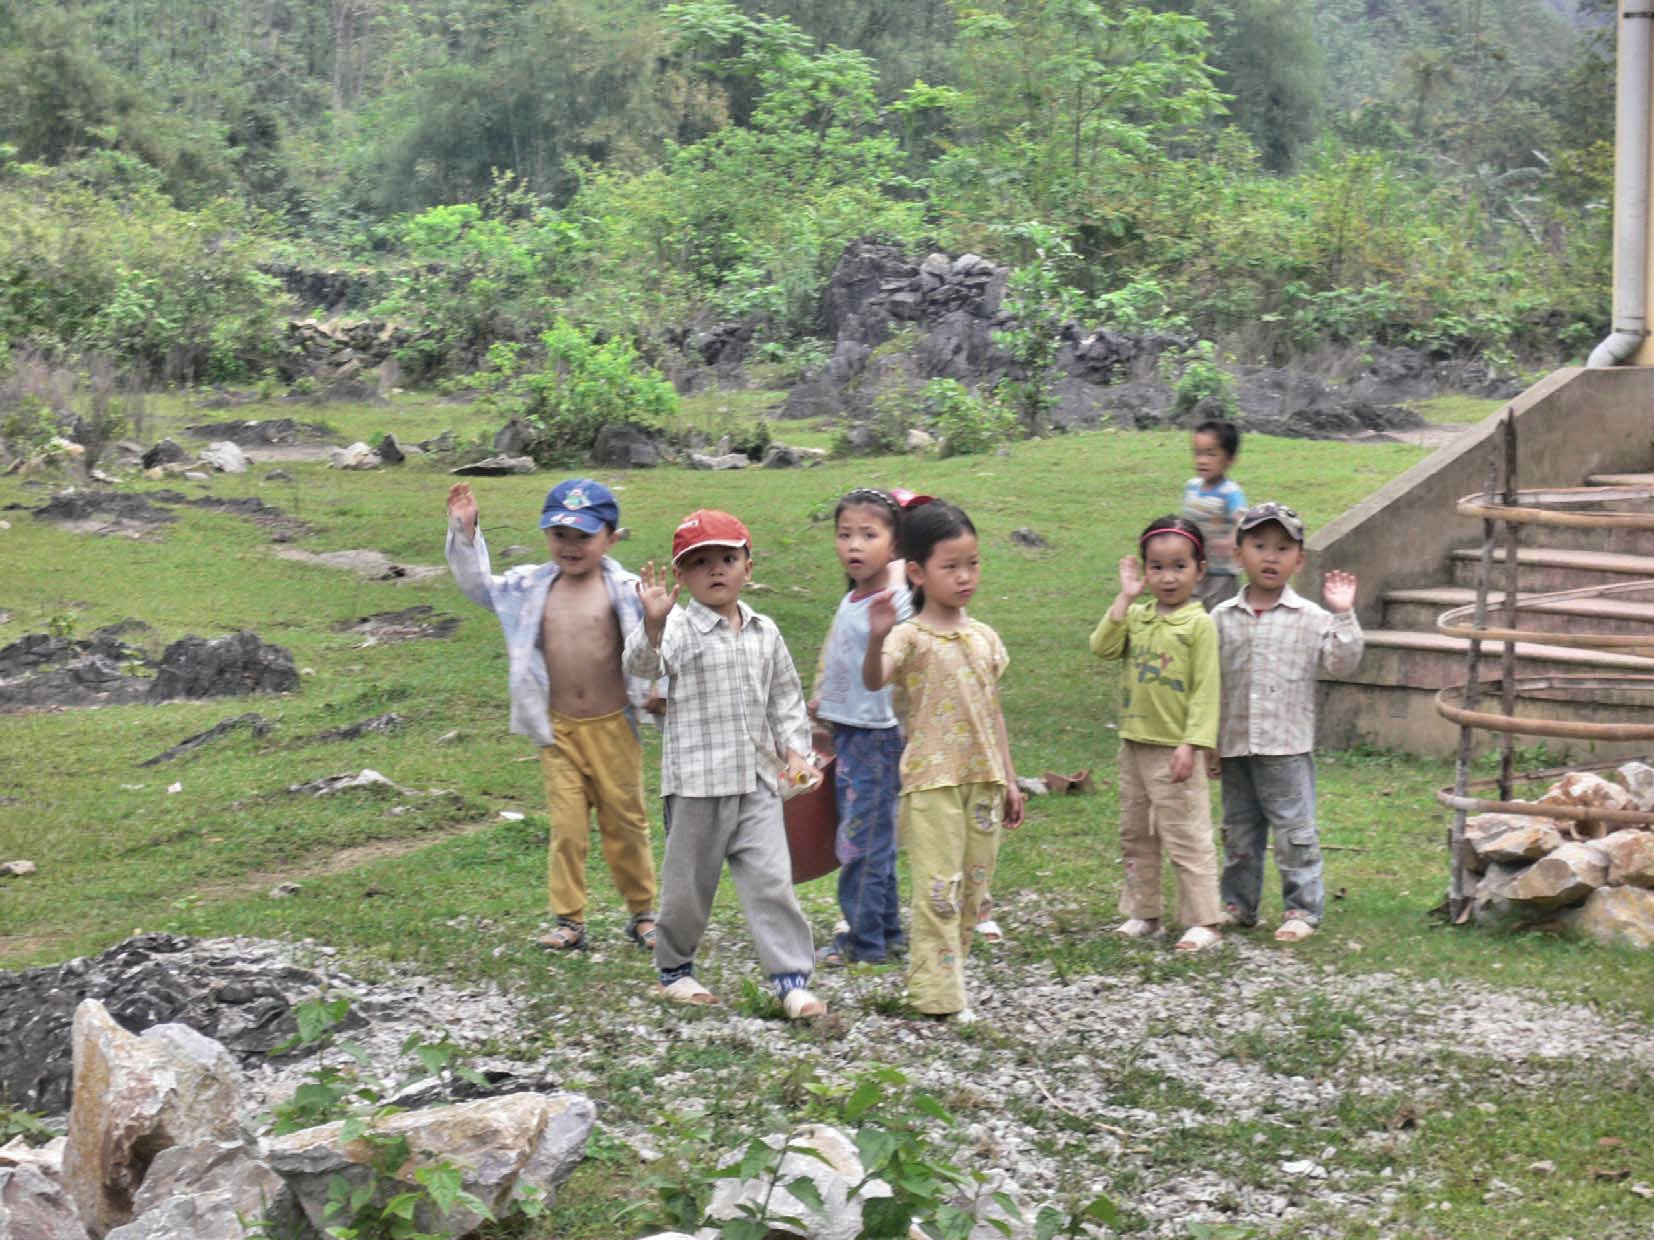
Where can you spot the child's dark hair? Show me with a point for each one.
(1226, 433)
(1181, 526)
(923, 528)
(881, 501)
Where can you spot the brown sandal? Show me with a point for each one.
(641, 930)
(569, 936)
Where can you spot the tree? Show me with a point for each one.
(1064, 102)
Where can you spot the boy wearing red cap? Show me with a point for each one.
(564, 622)
(735, 730)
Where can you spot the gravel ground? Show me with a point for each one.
(1072, 1086)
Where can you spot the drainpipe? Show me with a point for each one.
(1631, 107)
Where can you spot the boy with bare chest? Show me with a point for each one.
(563, 623)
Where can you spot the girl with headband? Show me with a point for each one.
(1168, 726)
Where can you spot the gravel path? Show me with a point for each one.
(1078, 1085)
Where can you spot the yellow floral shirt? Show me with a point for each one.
(947, 689)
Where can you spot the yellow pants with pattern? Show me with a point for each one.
(596, 763)
(952, 841)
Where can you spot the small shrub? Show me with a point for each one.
(584, 386)
(966, 423)
(1199, 377)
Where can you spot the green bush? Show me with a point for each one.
(165, 292)
(964, 422)
(1199, 378)
(585, 385)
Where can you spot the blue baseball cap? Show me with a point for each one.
(581, 504)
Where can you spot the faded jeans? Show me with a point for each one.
(1263, 793)
(868, 780)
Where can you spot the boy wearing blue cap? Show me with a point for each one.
(565, 623)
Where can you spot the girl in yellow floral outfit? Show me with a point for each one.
(958, 788)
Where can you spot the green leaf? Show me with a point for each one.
(862, 1099)
(885, 1217)
(1102, 1209)
(402, 1205)
(927, 1105)
(806, 1191)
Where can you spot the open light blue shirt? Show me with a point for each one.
(518, 599)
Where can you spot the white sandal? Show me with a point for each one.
(990, 931)
(687, 990)
(1293, 929)
(800, 1004)
(1199, 939)
(1137, 928)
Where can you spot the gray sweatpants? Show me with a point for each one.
(746, 831)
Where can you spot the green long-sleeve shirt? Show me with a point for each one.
(1169, 687)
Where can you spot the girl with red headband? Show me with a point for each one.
(1168, 726)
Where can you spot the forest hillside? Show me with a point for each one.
(1262, 179)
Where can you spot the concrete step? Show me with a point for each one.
(1628, 615)
(1621, 480)
(1585, 501)
(1542, 569)
(1424, 660)
(1389, 700)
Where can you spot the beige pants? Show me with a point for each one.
(952, 841)
(596, 764)
(1157, 815)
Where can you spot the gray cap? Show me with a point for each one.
(1269, 510)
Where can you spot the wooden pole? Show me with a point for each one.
(1507, 664)
(1458, 897)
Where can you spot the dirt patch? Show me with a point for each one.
(370, 565)
(419, 623)
(270, 432)
(281, 527)
(339, 862)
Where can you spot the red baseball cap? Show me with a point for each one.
(708, 527)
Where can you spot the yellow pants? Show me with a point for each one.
(952, 841)
(1159, 817)
(596, 764)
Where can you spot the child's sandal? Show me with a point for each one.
(688, 991)
(1199, 939)
(568, 936)
(641, 930)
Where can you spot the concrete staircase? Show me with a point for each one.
(1390, 699)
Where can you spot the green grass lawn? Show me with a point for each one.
(117, 851)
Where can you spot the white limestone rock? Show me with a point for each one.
(1563, 877)
(225, 457)
(33, 1206)
(526, 1140)
(834, 1167)
(205, 1191)
(1630, 857)
(134, 1097)
(1639, 782)
(1617, 915)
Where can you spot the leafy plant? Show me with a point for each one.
(1199, 378)
(371, 1209)
(965, 423)
(892, 1125)
(16, 1122)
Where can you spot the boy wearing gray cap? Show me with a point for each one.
(565, 622)
(1270, 642)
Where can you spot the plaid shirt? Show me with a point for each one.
(1268, 664)
(736, 702)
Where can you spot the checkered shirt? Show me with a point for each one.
(1268, 664)
(736, 702)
